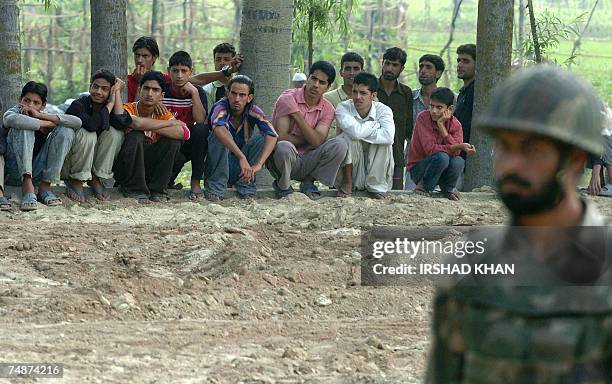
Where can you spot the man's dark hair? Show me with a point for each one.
(154, 75)
(394, 54)
(37, 88)
(242, 79)
(104, 74)
(368, 79)
(444, 95)
(180, 58)
(224, 48)
(351, 56)
(148, 43)
(467, 49)
(326, 67)
(435, 60)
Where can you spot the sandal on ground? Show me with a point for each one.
(195, 195)
(49, 199)
(310, 190)
(177, 186)
(422, 191)
(280, 193)
(379, 195)
(159, 198)
(73, 193)
(340, 193)
(454, 196)
(5, 204)
(99, 192)
(28, 202)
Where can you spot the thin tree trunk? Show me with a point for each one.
(237, 17)
(534, 33)
(27, 55)
(521, 33)
(82, 42)
(154, 13)
(109, 36)
(370, 36)
(456, 7)
(579, 38)
(192, 18)
(50, 64)
(310, 38)
(161, 33)
(10, 65)
(131, 19)
(494, 53)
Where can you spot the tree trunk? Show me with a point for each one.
(237, 17)
(50, 64)
(521, 33)
(10, 48)
(310, 38)
(82, 42)
(534, 33)
(109, 36)
(154, 12)
(192, 18)
(494, 55)
(265, 42)
(456, 7)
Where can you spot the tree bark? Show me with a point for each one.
(109, 36)
(534, 33)
(237, 17)
(10, 65)
(154, 12)
(494, 55)
(82, 42)
(50, 65)
(310, 38)
(265, 42)
(521, 33)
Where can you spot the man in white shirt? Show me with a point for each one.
(368, 127)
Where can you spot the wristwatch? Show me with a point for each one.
(226, 71)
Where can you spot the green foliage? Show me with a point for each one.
(551, 31)
(327, 17)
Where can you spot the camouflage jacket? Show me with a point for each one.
(523, 335)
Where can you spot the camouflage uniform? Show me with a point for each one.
(529, 335)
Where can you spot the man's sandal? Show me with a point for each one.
(28, 202)
(74, 194)
(49, 199)
(310, 190)
(5, 204)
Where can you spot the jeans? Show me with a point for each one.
(223, 167)
(439, 168)
(46, 165)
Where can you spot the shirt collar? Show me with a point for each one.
(299, 97)
(416, 94)
(397, 87)
(371, 115)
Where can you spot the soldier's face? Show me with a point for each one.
(526, 166)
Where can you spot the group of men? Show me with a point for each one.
(352, 137)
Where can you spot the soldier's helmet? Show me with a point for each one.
(547, 101)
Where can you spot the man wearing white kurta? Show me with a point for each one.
(368, 128)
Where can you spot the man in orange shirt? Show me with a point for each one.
(144, 165)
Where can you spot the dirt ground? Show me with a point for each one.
(231, 292)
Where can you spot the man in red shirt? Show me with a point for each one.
(434, 155)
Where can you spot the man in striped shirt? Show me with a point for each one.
(187, 102)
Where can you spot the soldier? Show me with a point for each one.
(545, 122)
